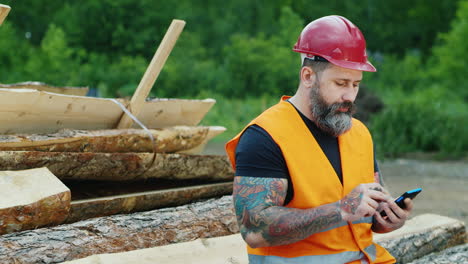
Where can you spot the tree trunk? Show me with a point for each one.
(120, 166)
(119, 233)
(31, 199)
(144, 201)
(166, 140)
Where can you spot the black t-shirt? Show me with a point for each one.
(258, 155)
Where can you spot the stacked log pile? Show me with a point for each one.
(212, 218)
(125, 156)
(50, 139)
(82, 139)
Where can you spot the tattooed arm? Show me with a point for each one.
(263, 221)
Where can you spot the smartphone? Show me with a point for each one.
(400, 200)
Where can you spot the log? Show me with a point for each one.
(40, 86)
(213, 132)
(423, 235)
(169, 140)
(144, 201)
(458, 254)
(120, 166)
(229, 249)
(232, 248)
(32, 111)
(30, 199)
(211, 218)
(119, 233)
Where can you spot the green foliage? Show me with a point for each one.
(121, 77)
(426, 101)
(449, 63)
(262, 65)
(14, 52)
(421, 122)
(55, 58)
(397, 75)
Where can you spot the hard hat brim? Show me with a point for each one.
(354, 65)
(360, 66)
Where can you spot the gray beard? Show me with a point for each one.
(327, 117)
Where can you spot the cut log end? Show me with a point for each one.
(31, 199)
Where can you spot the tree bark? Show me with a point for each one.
(120, 166)
(423, 235)
(166, 140)
(458, 254)
(31, 199)
(119, 233)
(144, 201)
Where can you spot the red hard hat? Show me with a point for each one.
(337, 40)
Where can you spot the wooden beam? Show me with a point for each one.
(152, 72)
(4, 10)
(121, 166)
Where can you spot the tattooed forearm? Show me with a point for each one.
(262, 216)
(289, 225)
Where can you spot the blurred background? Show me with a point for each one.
(239, 53)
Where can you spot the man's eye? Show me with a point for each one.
(340, 83)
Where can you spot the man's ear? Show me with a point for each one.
(307, 76)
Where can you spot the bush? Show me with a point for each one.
(449, 63)
(422, 122)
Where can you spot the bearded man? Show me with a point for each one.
(307, 187)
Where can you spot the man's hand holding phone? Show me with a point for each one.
(393, 214)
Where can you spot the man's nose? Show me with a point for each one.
(349, 96)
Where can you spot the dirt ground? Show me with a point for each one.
(444, 183)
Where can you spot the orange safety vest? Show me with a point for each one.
(316, 183)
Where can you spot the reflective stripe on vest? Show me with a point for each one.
(367, 220)
(343, 257)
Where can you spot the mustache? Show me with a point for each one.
(333, 108)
